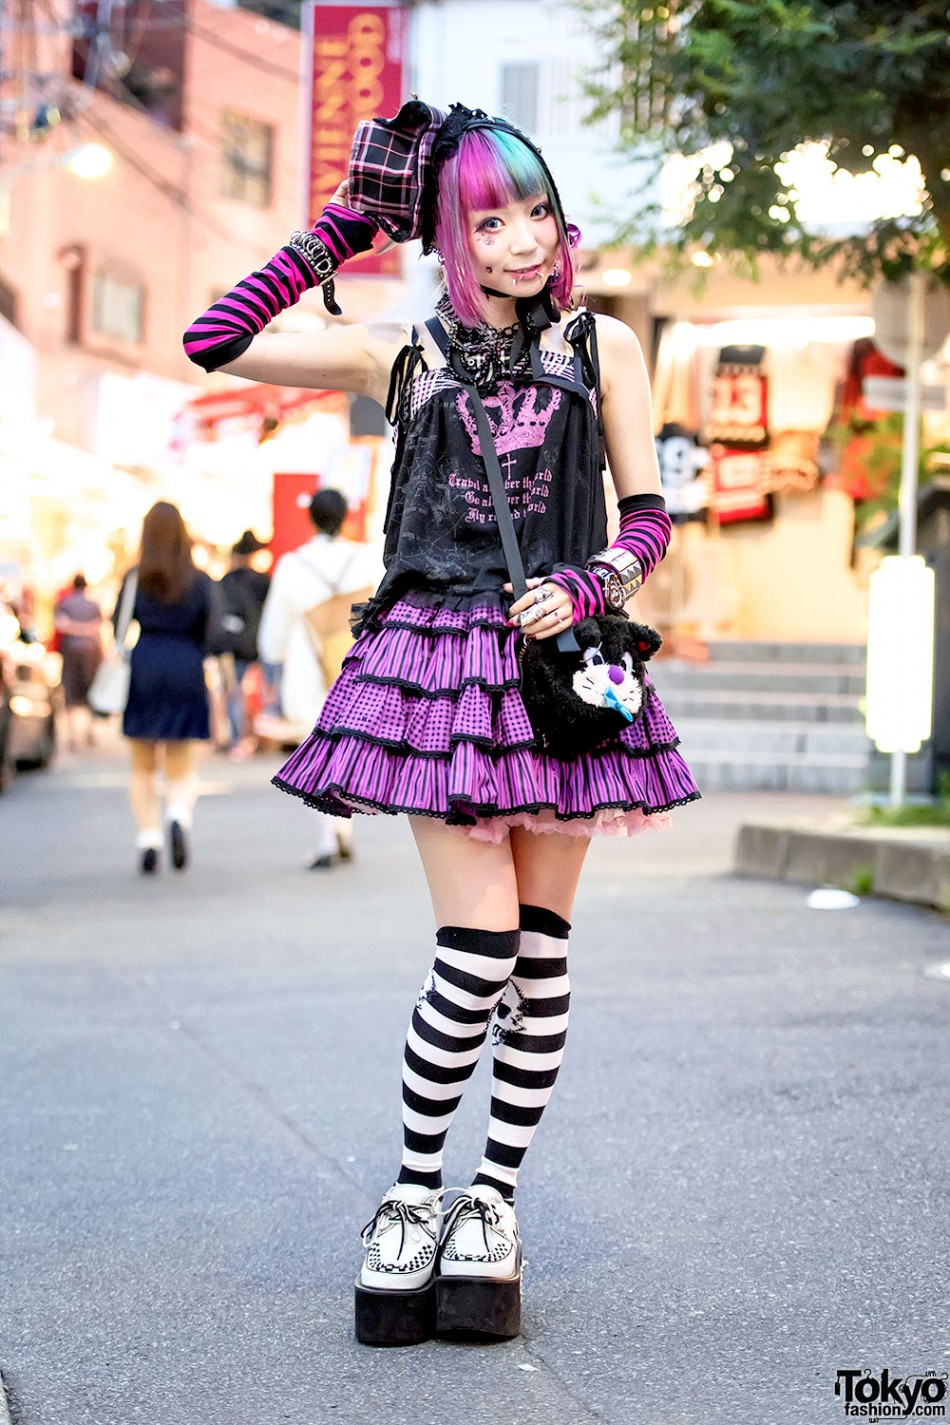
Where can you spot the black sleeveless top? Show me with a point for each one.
(441, 534)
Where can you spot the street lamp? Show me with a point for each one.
(89, 160)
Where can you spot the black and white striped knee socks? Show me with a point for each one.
(529, 1033)
(521, 977)
(447, 1031)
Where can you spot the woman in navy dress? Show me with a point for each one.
(167, 711)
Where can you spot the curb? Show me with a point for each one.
(5, 1417)
(902, 864)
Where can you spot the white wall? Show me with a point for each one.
(459, 47)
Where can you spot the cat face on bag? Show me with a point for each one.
(604, 684)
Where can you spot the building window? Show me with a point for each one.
(118, 307)
(519, 93)
(247, 150)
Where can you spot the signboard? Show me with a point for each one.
(891, 307)
(889, 393)
(357, 60)
(900, 621)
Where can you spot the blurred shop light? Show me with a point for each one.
(90, 160)
(900, 654)
(704, 259)
(785, 331)
(616, 277)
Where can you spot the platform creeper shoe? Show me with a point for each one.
(478, 1283)
(395, 1290)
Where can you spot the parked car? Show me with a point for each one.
(28, 684)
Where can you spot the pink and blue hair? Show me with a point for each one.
(491, 169)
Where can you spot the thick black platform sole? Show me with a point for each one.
(394, 1318)
(478, 1306)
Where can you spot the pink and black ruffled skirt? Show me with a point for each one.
(426, 718)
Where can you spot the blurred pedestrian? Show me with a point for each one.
(242, 591)
(167, 711)
(77, 621)
(324, 576)
(497, 402)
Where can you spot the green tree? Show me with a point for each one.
(865, 77)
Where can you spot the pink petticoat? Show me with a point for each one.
(612, 821)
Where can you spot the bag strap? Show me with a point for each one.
(566, 641)
(124, 620)
(333, 587)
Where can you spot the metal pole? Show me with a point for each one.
(907, 504)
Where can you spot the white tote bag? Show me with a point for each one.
(109, 690)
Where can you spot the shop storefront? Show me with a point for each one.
(768, 448)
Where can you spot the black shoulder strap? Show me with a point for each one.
(439, 335)
(496, 483)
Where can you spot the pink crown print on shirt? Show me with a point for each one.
(516, 421)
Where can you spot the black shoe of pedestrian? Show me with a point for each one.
(322, 863)
(179, 844)
(148, 863)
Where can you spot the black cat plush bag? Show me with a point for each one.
(577, 700)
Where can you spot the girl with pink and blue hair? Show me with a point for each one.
(427, 718)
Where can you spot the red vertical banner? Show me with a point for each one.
(358, 56)
(292, 524)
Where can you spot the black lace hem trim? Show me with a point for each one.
(488, 745)
(454, 692)
(332, 802)
(369, 616)
(439, 632)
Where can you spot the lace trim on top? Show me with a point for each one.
(484, 352)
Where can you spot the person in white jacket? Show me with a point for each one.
(326, 565)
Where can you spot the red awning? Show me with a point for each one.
(256, 400)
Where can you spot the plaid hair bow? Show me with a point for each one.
(390, 170)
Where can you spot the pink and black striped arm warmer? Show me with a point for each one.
(645, 530)
(230, 324)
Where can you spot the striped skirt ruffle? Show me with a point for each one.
(426, 718)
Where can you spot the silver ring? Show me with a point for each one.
(544, 594)
(528, 616)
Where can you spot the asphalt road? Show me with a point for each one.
(740, 1188)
